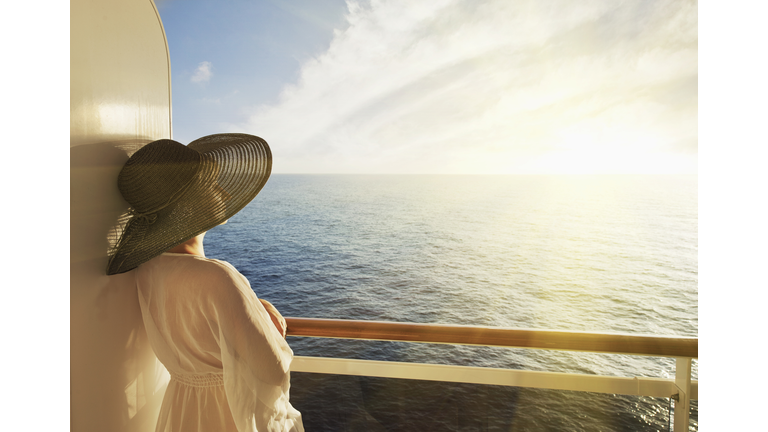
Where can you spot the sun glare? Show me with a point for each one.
(615, 149)
(616, 160)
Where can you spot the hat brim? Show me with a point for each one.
(234, 169)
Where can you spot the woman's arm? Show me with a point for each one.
(277, 319)
(255, 357)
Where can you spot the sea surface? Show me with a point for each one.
(584, 253)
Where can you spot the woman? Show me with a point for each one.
(224, 347)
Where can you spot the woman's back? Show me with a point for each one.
(226, 359)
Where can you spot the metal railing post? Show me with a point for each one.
(683, 402)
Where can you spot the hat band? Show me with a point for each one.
(144, 218)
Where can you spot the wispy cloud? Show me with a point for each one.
(497, 86)
(203, 73)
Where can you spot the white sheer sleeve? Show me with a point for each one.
(254, 356)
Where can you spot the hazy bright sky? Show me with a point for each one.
(442, 86)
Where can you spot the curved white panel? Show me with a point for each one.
(120, 99)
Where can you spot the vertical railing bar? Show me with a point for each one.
(669, 418)
(683, 383)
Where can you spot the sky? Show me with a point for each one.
(442, 86)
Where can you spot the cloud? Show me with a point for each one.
(498, 86)
(203, 73)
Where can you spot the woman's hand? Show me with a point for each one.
(277, 319)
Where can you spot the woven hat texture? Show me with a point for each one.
(176, 192)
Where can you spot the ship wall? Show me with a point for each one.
(120, 99)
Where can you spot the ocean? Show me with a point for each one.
(604, 253)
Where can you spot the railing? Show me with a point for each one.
(682, 389)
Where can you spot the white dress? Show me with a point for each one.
(229, 365)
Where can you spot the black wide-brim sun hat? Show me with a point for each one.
(177, 192)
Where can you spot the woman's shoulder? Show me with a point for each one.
(197, 260)
(201, 269)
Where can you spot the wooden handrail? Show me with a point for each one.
(660, 346)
